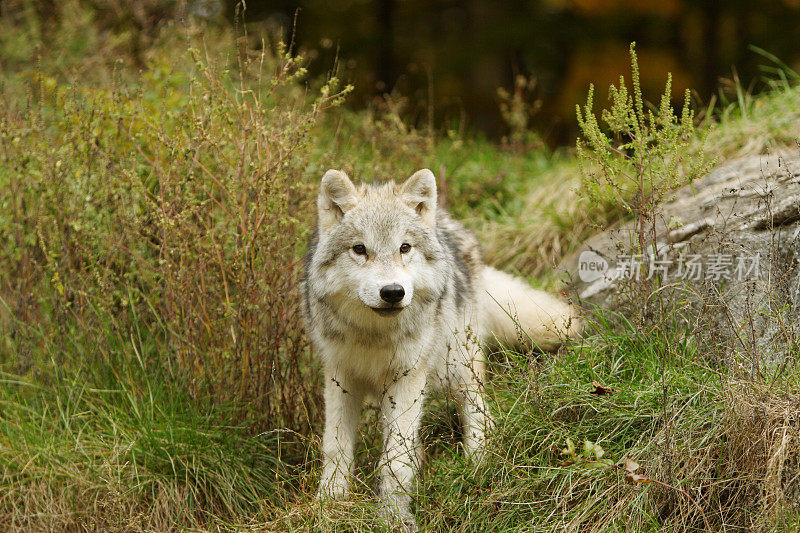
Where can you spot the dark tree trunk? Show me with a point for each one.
(711, 16)
(386, 68)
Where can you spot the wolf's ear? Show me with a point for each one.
(419, 192)
(337, 195)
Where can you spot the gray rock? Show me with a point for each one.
(727, 255)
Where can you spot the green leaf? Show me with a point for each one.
(592, 450)
(570, 449)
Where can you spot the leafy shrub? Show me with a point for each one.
(164, 223)
(644, 154)
(517, 110)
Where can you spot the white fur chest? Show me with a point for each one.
(362, 345)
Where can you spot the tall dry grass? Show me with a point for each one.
(173, 212)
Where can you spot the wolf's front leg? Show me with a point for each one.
(475, 417)
(476, 422)
(342, 415)
(401, 408)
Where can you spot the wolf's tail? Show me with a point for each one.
(513, 311)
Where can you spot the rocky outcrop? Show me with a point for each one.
(727, 248)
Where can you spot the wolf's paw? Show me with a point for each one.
(399, 517)
(332, 490)
(476, 453)
(476, 446)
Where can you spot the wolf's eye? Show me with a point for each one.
(360, 249)
(405, 248)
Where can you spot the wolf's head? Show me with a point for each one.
(377, 245)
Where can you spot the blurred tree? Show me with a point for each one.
(461, 51)
(454, 54)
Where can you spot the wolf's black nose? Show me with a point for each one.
(392, 293)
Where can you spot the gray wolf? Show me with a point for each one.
(397, 303)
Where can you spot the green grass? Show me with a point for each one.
(116, 443)
(540, 404)
(705, 437)
(153, 373)
(123, 447)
